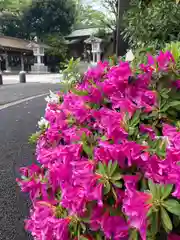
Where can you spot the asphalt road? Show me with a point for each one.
(14, 92)
(16, 124)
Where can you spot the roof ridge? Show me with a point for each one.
(15, 38)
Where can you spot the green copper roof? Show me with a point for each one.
(86, 32)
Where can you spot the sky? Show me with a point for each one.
(95, 4)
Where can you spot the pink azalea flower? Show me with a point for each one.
(173, 236)
(136, 206)
(151, 60)
(131, 181)
(133, 152)
(176, 84)
(96, 218)
(149, 97)
(73, 198)
(114, 227)
(164, 59)
(143, 80)
(44, 225)
(34, 182)
(114, 152)
(147, 129)
(61, 228)
(172, 135)
(124, 104)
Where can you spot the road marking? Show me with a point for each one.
(21, 101)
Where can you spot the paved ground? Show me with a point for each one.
(14, 92)
(32, 78)
(16, 125)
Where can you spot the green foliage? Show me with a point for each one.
(162, 208)
(174, 48)
(71, 74)
(34, 137)
(152, 23)
(14, 5)
(111, 9)
(87, 16)
(102, 33)
(40, 18)
(88, 147)
(57, 45)
(11, 17)
(141, 56)
(49, 17)
(110, 176)
(11, 25)
(58, 50)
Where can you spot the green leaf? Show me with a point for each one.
(83, 238)
(101, 169)
(163, 147)
(116, 176)
(173, 206)
(163, 103)
(83, 226)
(166, 221)
(152, 187)
(24, 178)
(98, 236)
(114, 193)
(136, 118)
(34, 137)
(164, 95)
(109, 166)
(79, 93)
(113, 168)
(158, 191)
(166, 190)
(88, 150)
(176, 221)
(131, 131)
(103, 138)
(164, 92)
(174, 103)
(153, 114)
(84, 137)
(117, 184)
(107, 188)
(134, 235)
(154, 223)
(149, 213)
(171, 104)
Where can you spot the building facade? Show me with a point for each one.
(17, 54)
(78, 47)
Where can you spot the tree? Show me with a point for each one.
(49, 17)
(11, 23)
(39, 18)
(13, 5)
(152, 23)
(57, 51)
(111, 8)
(88, 16)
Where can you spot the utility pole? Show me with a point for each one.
(118, 27)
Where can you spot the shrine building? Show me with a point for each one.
(18, 54)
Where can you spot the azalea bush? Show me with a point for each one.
(108, 154)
